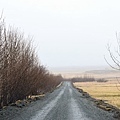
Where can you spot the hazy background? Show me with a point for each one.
(66, 32)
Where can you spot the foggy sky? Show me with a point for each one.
(66, 32)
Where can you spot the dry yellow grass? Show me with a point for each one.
(105, 91)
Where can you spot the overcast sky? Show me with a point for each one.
(66, 32)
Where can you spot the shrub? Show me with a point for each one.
(21, 74)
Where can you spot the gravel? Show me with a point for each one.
(64, 103)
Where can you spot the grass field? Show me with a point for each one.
(106, 91)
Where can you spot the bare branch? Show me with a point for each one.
(110, 64)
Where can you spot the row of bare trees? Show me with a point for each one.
(83, 79)
(21, 74)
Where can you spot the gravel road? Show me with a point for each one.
(65, 103)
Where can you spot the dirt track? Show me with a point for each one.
(65, 103)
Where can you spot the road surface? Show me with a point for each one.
(65, 103)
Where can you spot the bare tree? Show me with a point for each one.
(21, 74)
(115, 57)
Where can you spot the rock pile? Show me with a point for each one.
(25, 102)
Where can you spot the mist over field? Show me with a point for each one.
(78, 68)
(93, 71)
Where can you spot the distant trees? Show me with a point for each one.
(87, 79)
(83, 79)
(21, 74)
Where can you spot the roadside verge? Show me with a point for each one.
(100, 103)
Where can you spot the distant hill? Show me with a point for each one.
(76, 69)
(102, 72)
